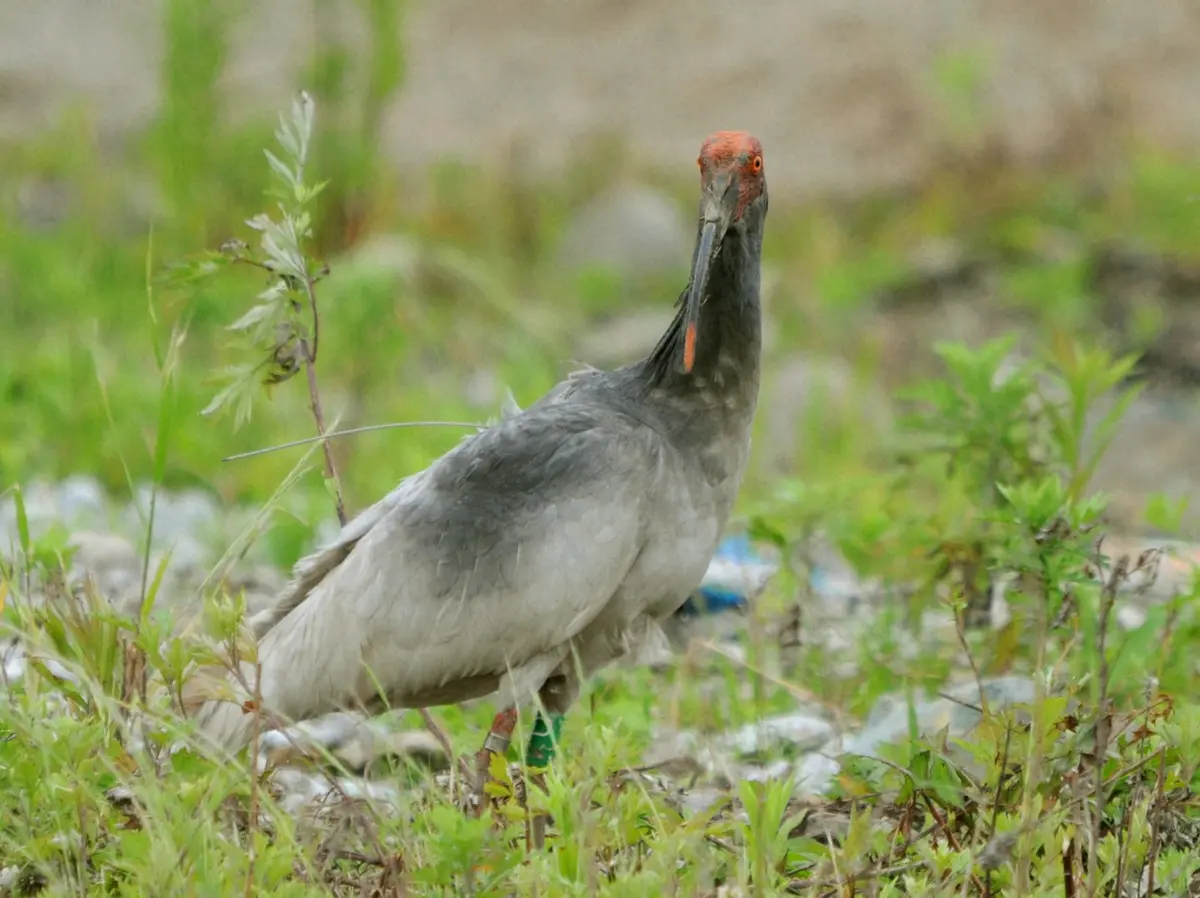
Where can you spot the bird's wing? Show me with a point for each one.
(309, 571)
(504, 549)
(312, 569)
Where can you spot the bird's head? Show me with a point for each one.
(733, 192)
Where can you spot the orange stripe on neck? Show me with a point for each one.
(689, 347)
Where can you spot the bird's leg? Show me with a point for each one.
(556, 695)
(498, 739)
(543, 740)
(538, 756)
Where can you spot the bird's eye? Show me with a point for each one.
(756, 164)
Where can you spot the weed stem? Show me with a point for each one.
(314, 403)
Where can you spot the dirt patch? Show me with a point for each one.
(844, 94)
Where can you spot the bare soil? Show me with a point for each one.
(844, 93)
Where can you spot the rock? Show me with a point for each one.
(814, 773)
(183, 521)
(684, 754)
(888, 723)
(799, 730)
(111, 563)
(1172, 574)
(1130, 617)
(697, 801)
(13, 660)
(189, 524)
(304, 740)
(81, 498)
(373, 746)
(1000, 614)
(16, 665)
(79, 502)
(357, 789)
(354, 742)
(673, 754)
(302, 792)
(627, 231)
(1156, 449)
(775, 770)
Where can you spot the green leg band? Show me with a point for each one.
(543, 739)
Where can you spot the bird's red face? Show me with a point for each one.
(737, 155)
(731, 178)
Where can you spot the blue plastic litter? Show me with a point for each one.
(735, 574)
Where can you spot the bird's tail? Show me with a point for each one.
(213, 695)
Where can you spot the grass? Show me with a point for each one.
(1086, 789)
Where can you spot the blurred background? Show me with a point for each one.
(512, 188)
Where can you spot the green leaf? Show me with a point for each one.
(1165, 515)
(239, 392)
(195, 271)
(284, 173)
(283, 251)
(22, 521)
(151, 595)
(257, 313)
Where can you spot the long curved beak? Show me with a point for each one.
(717, 207)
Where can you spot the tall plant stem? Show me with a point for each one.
(314, 401)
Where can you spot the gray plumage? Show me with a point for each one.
(564, 531)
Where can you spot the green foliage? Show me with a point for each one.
(188, 133)
(353, 86)
(283, 323)
(985, 479)
(1094, 780)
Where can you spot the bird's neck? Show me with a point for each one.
(728, 334)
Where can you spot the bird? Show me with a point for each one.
(549, 544)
